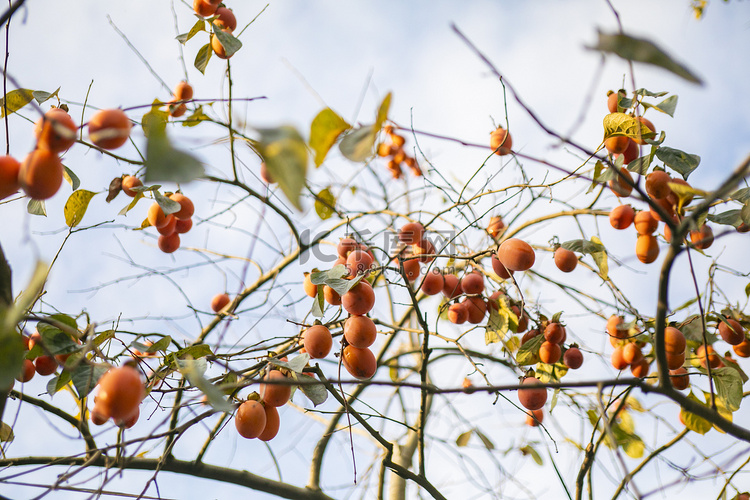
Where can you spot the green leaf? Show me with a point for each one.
(357, 145)
(679, 161)
(741, 195)
(6, 433)
(71, 178)
(463, 438)
(194, 351)
(621, 124)
(729, 218)
(385, 106)
(529, 450)
(202, 57)
(37, 207)
(648, 93)
(193, 370)
(228, 41)
(316, 393)
(598, 168)
(497, 326)
(667, 106)
(528, 353)
(325, 204)
(326, 127)
(160, 345)
(285, 154)
(58, 382)
(168, 205)
(6, 285)
(75, 207)
(728, 387)
(15, 100)
(318, 303)
(138, 196)
(86, 375)
(745, 213)
(11, 355)
(196, 118)
(41, 96)
(485, 440)
(645, 51)
(163, 161)
(199, 26)
(633, 446)
(584, 246)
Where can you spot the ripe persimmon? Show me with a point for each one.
(554, 332)
(630, 153)
(501, 141)
(120, 392)
(621, 217)
(476, 309)
(265, 174)
(631, 353)
(565, 260)
(472, 283)
(311, 290)
(708, 352)
(97, 417)
(331, 296)
(573, 358)
(703, 237)
(277, 393)
(657, 184)
(529, 335)
(534, 417)
(109, 128)
(531, 397)
(620, 185)
(646, 248)
(516, 254)
(9, 170)
(156, 216)
(360, 363)
(674, 340)
(499, 268)
(359, 300)
(186, 206)
(317, 341)
(41, 174)
(360, 331)
(225, 19)
(640, 368)
(128, 183)
(451, 286)
(169, 227)
(411, 269)
(645, 223)
(732, 333)
(617, 360)
(495, 226)
(204, 8)
(549, 352)
(27, 371)
(346, 246)
(617, 144)
(45, 365)
(183, 91)
(612, 100)
(359, 262)
(170, 243)
(56, 131)
(433, 282)
(183, 226)
(523, 319)
(250, 419)
(271, 429)
(680, 378)
(742, 349)
(457, 313)
(220, 301)
(675, 361)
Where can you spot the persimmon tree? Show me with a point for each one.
(382, 330)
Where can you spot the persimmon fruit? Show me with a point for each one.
(45, 365)
(317, 341)
(183, 226)
(645, 223)
(646, 248)
(120, 392)
(620, 185)
(549, 352)
(472, 283)
(331, 296)
(27, 371)
(217, 46)
(271, 429)
(169, 244)
(621, 217)
(169, 227)
(204, 8)
(516, 254)
(534, 417)
(346, 246)
(457, 313)
(41, 174)
(424, 249)
(732, 333)
(278, 393)
(433, 282)
(501, 141)
(9, 170)
(703, 237)
(311, 289)
(657, 184)
(219, 302)
(411, 269)
(499, 269)
(56, 131)
(565, 260)
(495, 226)
(360, 363)
(451, 286)
(186, 206)
(617, 144)
(183, 91)
(128, 183)
(109, 128)
(360, 331)
(476, 309)
(674, 340)
(250, 419)
(531, 397)
(554, 332)
(679, 378)
(573, 358)
(359, 300)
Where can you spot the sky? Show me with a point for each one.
(301, 57)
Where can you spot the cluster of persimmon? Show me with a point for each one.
(628, 350)
(121, 391)
(43, 364)
(171, 226)
(177, 105)
(40, 175)
(258, 417)
(394, 150)
(221, 17)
